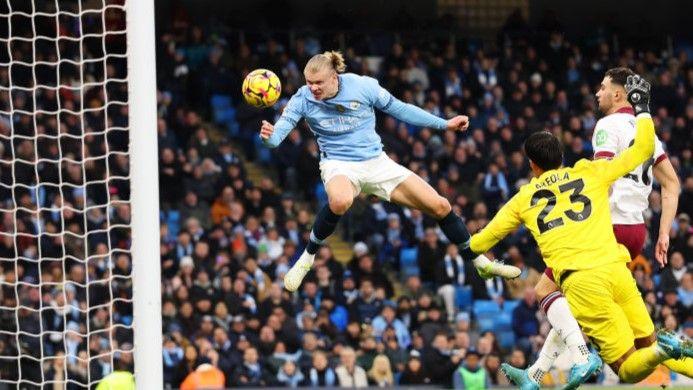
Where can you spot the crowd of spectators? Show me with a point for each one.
(380, 319)
(373, 321)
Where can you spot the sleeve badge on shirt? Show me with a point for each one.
(601, 137)
(340, 108)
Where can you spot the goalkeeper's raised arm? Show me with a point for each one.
(638, 91)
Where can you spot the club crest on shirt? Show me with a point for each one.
(354, 105)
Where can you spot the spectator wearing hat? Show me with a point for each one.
(349, 290)
(471, 374)
(414, 373)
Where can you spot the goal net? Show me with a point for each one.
(68, 188)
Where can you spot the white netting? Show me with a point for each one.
(65, 280)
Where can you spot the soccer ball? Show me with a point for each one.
(261, 88)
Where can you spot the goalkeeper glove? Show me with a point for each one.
(638, 92)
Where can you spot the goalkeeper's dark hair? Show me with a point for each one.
(545, 150)
(619, 75)
(333, 59)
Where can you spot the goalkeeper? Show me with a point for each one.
(339, 108)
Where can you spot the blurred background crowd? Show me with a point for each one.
(400, 307)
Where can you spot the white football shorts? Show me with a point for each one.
(378, 176)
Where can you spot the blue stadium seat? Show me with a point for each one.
(510, 305)
(485, 322)
(656, 278)
(408, 256)
(483, 307)
(502, 322)
(410, 270)
(463, 297)
(220, 101)
(506, 339)
(173, 222)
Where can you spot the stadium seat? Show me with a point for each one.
(510, 305)
(408, 256)
(463, 297)
(220, 108)
(506, 339)
(502, 322)
(173, 222)
(485, 322)
(410, 271)
(483, 307)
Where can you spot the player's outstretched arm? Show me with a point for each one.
(383, 100)
(417, 116)
(666, 176)
(506, 220)
(639, 97)
(273, 135)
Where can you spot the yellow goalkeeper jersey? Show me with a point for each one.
(567, 209)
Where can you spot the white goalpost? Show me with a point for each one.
(144, 194)
(79, 213)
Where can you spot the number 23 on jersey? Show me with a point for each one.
(581, 205)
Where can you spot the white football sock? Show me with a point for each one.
(553, 346)
(566, 326)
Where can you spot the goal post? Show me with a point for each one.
(144, 194)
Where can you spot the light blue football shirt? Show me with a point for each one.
(345, 124)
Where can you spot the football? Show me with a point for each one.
(261, 88)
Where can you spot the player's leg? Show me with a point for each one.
(590, 295)
(684, 366)
(340, 195)
(635, 365)
(565, 333)
(414, 192)
(531, 377)
(557, 310)
(643, 328)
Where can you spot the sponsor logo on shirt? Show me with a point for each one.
(601, 137)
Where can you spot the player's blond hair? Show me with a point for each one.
(330, 59)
